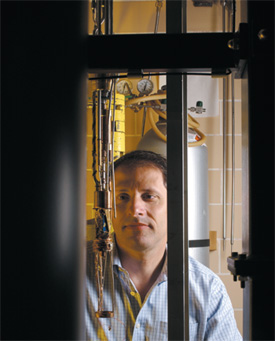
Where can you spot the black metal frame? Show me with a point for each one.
(255, 266)
(217, 56)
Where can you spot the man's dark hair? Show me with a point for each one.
(139, 158)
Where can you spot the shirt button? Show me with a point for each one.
(137, 325)
(133, 293)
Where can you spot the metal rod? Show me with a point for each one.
(224, 162)
(224, 141)
(99, 135)
(233, 162)
(234, 16)
(157, 20)
(143, 120)
(98, 16)
(223, 15)
(94, 140)
(108, 135)
(158, 6)
(113, 143)
(185, 210)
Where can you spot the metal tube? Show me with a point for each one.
(94, 140)
(234, 16)
(233, 163)
(224, 141)
(158, 6)
(108, 137)
(99, 136)
(185, 210)
(144, 119)
(98, 16)
(113, 143)
(224, 161)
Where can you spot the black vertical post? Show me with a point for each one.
(43, 136)
(178, 307)
(258, 171)
(108, 16)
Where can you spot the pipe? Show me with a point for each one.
(192, 123)
(113, 143)
(233, 163)
(224, 140)
(158, 6)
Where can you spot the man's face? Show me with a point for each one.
(141, 203)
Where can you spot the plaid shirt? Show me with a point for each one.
(211, 315)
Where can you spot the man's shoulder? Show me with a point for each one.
(198, 270)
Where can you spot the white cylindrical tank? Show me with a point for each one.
(198, 213)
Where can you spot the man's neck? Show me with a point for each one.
(143, 268)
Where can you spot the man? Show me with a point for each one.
(140, 265)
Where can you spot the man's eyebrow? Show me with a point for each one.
(122, 189)
(124, 184)
(149, 189)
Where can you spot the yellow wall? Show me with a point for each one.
(139, 16)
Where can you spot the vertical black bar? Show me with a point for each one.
(176, 18)
(43, 114)
(258, 170)
(108, 16)
(178, 308)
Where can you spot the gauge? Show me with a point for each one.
(124, 87)
(145, 86)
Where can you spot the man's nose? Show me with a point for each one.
(137, 207)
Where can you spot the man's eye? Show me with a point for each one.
(147, 196)
(123, 196)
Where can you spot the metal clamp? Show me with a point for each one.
(243, 267)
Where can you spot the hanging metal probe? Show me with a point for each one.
(99, 138)
(103, 244)
(94, 140)
(113, 143)
(158, 5)
(224, 141)
(109, 120)
(102, 162)
(233, 162)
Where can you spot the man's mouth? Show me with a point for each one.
(137, 226)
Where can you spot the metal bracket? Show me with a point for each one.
(243, 267)
(240, 44)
